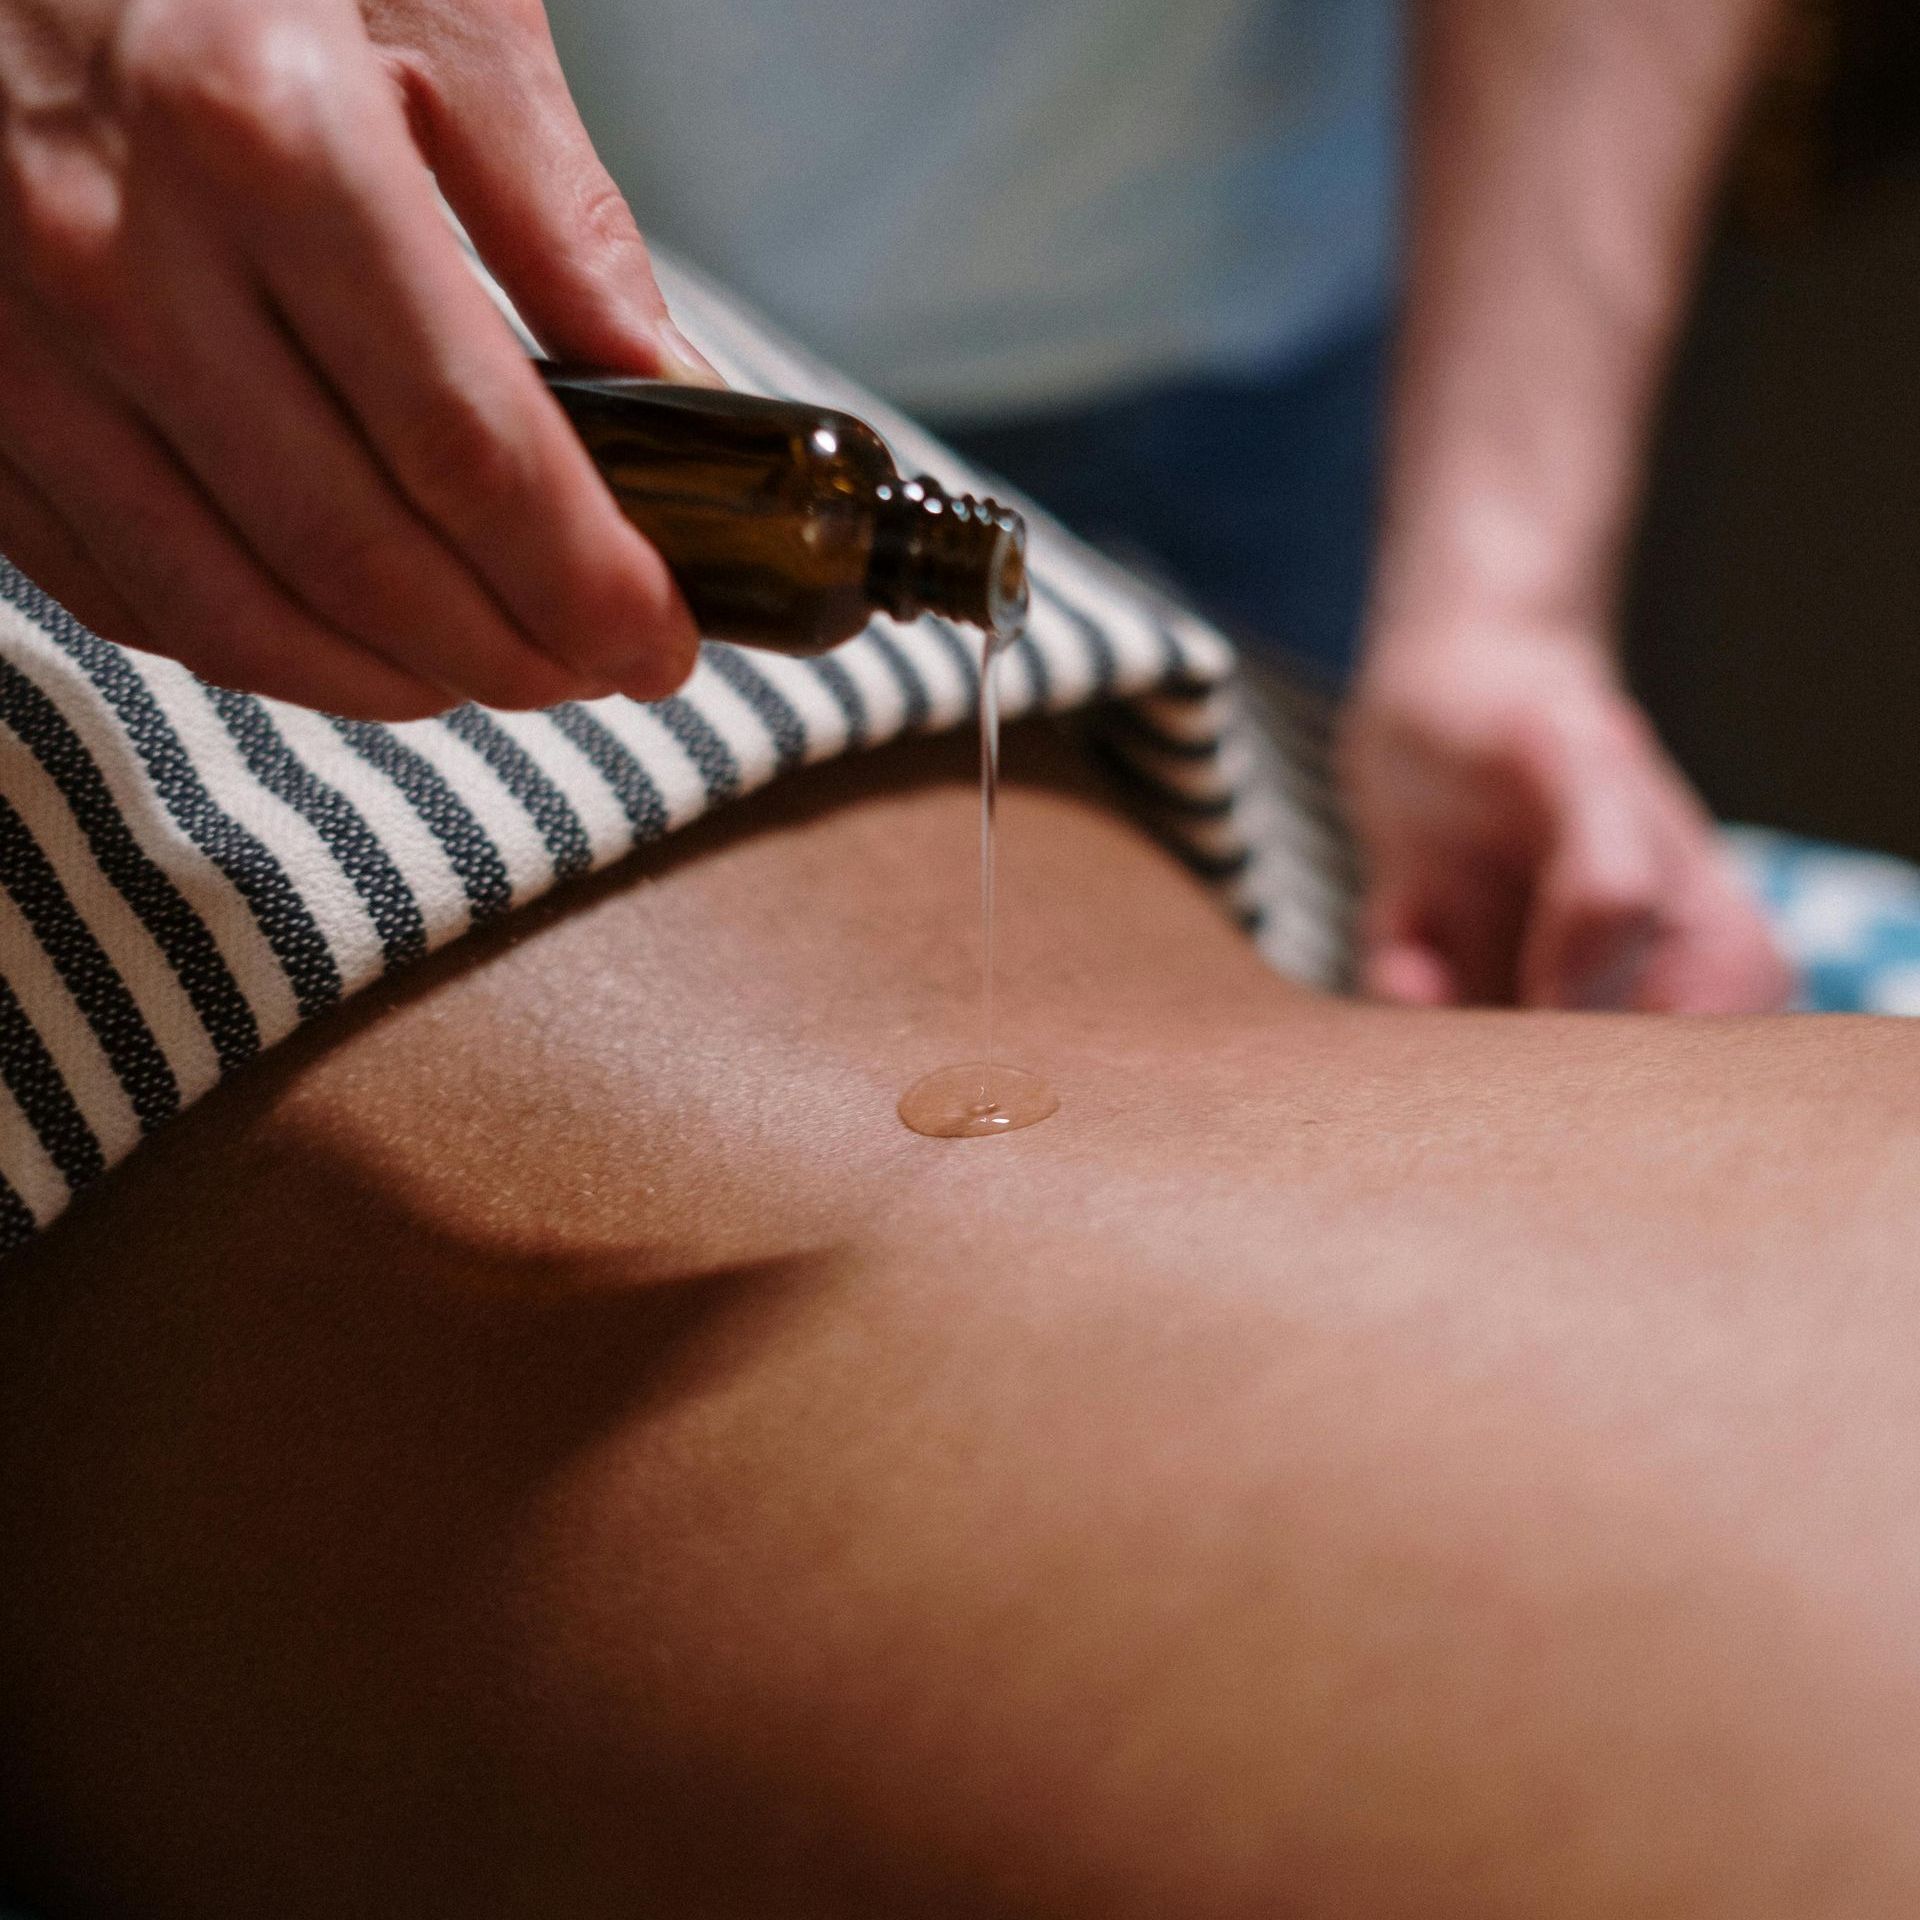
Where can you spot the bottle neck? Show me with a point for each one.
(948, 554)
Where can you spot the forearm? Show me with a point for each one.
(1564, 156)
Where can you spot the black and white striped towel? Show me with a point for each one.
(188, 874)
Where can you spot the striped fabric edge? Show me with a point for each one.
(1226, 763)
(190, 873)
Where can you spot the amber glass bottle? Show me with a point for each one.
(786, 525)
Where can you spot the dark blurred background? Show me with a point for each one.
(1774, 626)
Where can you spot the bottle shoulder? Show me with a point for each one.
(833, 450)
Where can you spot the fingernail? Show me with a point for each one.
(682, 361)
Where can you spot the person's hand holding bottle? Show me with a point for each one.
(257, 413)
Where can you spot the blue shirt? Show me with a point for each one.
(994, 207)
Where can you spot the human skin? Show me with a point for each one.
(257, 413)
(548, 1441)
(1528, 839)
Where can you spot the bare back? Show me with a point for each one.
(551, 1441)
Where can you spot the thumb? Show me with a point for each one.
(1595, 920)
(505, 142)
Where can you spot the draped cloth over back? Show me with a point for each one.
(187, 874)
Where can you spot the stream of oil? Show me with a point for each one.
(984, 1096)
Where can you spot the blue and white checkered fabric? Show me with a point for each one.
(1848, 921)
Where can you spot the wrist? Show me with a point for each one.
(1511, 510)
(1486, 636)
(1486, 639)
(1471, 663)
(1490, 565)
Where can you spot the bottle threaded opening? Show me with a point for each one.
(948, 554)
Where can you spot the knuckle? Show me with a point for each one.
(249, 86)
(604, 223)
(350, 560)
(469, 464)
(65, 216)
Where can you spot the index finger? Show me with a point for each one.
(339, 216)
